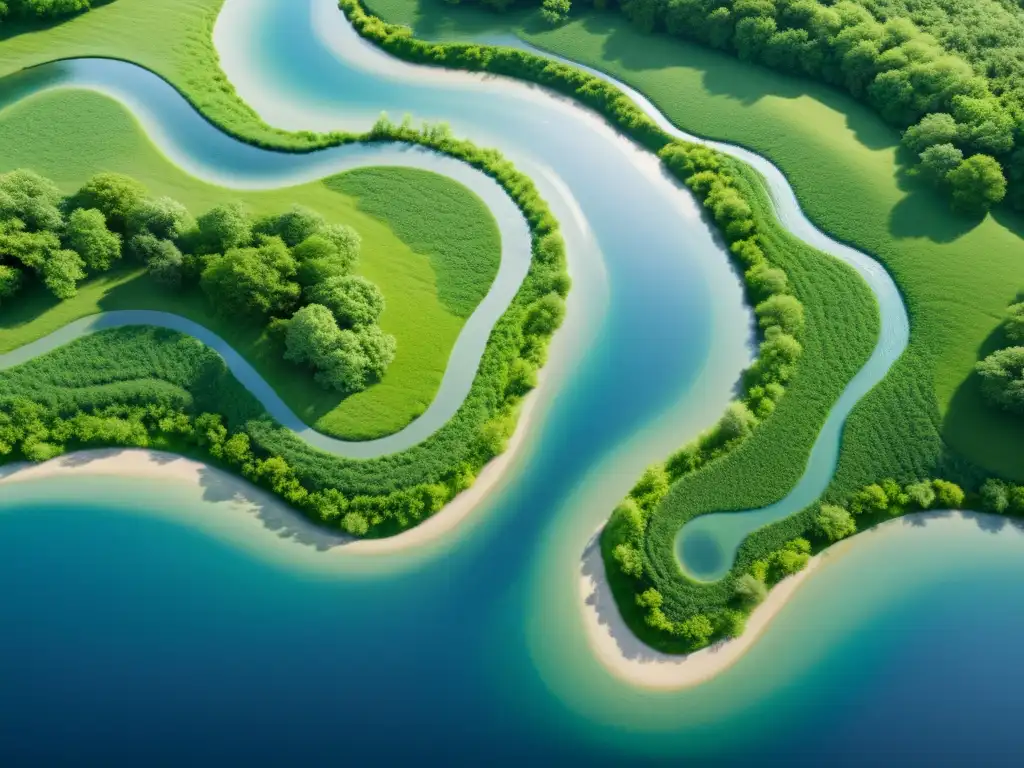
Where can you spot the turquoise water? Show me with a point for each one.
(166, 624)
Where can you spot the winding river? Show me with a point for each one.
(258, 646)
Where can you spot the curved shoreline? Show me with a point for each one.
(627, 658)
(163, 466)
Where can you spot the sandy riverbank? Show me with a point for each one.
(629, 659)
(272, 514)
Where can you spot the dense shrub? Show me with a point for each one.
(1002, 379)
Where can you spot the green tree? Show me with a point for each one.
(977, 184)
(938, 160)
(750, 590)
(10, 281)
(224, 227)
(32, 199)
(164, 218)
(921, 494)
(834, 522)
(87, 234)
(112, 194)
(784, 311)
(252, 281)
(995, 496)
(1015, 322)
(555, 11)
(545, 315)
(935, 128)
(1002, 378)
(696, 630)
(353, 300)
(948, 495)
(292, 226)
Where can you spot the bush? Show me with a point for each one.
(252, 281)
(1002, 379)
(112, 194)
(750, 590)
(1015, 323)
(977, 184)
(948, 495)
(834, 523)
(354, 301)
(995, 496)
(87, 235)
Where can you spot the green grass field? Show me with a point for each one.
(956, 275)
(429, 287)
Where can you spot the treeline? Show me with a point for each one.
(190, 402)
(963, 130)
(725, 617)
(291, 270)
(41, 9)
(1002, 372)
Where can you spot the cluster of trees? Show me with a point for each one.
(41, 9)
(277, 269)
(963, 129)
(1002, 372)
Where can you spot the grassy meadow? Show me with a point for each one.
(430, 287)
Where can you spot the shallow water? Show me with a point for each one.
(164, 624)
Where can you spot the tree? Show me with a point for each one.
(252, 281)
(765, 280)
(784, 311)
(10, 281)
(166, 264)
(555, 11)
(750, 590)
(1002, 378)
(921, 494)
(378, 349)
(32, 199)
(353, 300)
(948, 495)
(977, 184)
(224, 227)
(938, 161)
(347, 242)
(545, 315)
(59, 269)
(164, 218)
(736, 423)
(935, 128)
(345, 366)
(112, 194)
(696, 630)
(1015, 322)
(870, 499)
(995, 496)
(834, 522)
(311, 334)
(293, 226)
(87, 234)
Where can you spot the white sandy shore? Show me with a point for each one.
(629, 659)
(275, 515)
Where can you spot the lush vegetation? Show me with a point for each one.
(1002, 372)
(41, 9)
(901, 71)
(71, 135)
(252, 269)
(144, 387)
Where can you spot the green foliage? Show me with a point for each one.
(995, 496)
(292, 226)
(555, 11)
(977, 184)
(112, 194)
(1002, 379)
(939, 160)
(163, 218)
(354, 301)
(834, 522)
(750, 590)
(1014, 324)
(948, 495)
(252, 281)
(34, 201)
(87, 234)
(224, 227)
